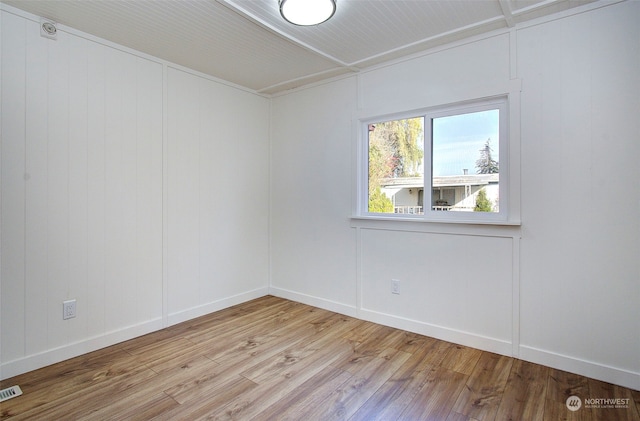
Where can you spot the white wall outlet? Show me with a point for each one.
(68, 309)
(395, 286)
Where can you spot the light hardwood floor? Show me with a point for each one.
(273, 359)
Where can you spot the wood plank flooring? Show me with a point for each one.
(274, 359)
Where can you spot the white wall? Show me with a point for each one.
(563, 288)
(312, 248)
(581, 192)
(138, 189)
(217, 196)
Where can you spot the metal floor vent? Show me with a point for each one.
(10, 392)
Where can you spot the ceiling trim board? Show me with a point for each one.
(307, 80)
(535, 6)
(458, 31)
(506, 11)
(553, 16)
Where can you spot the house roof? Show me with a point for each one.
(442, 181)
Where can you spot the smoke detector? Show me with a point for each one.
(48, 29)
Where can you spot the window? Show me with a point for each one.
(442, 164)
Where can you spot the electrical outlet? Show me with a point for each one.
(395, 286)
(68, 309)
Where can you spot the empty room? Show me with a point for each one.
(391, 210)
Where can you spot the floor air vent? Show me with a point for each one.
(10, 392)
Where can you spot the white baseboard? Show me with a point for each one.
(445, 334)
(591, 369)
(201, 310)
(56, 355)
(550, 359)
(582, 367)
(314, 301)
(484, 343)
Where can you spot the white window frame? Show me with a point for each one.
(506, 214)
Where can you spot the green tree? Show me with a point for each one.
(395, 150)
(486, 164)
(379, 202)
(483, 204)
(379, 167)
(401, 144)
(379, 164)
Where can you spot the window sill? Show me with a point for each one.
(433, 220)
(498, 228)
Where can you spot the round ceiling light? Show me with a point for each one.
(307, 12)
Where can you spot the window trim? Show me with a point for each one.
(508, 137)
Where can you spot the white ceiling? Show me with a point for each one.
(246, 42)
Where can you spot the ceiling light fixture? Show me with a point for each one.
(307, 12)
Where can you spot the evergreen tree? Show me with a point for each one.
(483, 204)
(486, 164)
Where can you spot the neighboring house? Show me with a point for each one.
(450, 193)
